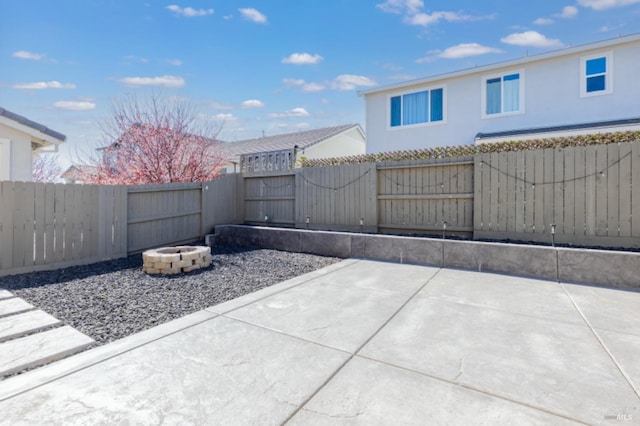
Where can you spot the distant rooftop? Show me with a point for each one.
(32, 124)
(302, 139)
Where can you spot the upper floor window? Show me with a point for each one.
(425, 106)
(595, 78)
(502, 94)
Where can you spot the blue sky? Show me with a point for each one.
(265, 66)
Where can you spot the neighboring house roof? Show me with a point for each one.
(565, 128)
(301, 139)
(505, 64)
(74, 172)
(36, 130)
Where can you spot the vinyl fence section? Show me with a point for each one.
(591, 195)
(47, 226)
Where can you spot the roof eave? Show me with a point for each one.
(505, 64)
(33, 129)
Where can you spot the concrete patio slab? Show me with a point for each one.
(13, 306)
(551, 365)
(367, 392)
(247, 299)
(338, 316)
(625, 350)
(607, 308)
(359, 342)
(518, 295)
(5, 294)
(404, 279)
(24, 382)
(28, 322)
(40, 348)
(217, 372)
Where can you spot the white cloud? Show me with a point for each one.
(293, 81)
(568, 12)
(251, 14)
(313, 87)
(530, 38)
(220, 106)
(174, 62)
(44, 85)
(252, 103)
(23, 54)
(169, 81)
(606, 4)
(295, 112)
(75, 105)
(134, 58)
(424, 19)
(302, 59)
(465, 50)
(543, 21)
(350, 82)
(189, 11)
(414, 13)
(401, 6)
(225, 117)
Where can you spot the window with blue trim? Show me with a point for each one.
(502, 94)
(596, 70)
(425, 106)
(596, 75)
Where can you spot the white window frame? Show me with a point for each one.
(483, 97)
(428, 123)
(608, 76)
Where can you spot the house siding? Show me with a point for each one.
(344, 144)
(552, 97)
(20, 161)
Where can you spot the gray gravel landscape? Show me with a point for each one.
(111, 300)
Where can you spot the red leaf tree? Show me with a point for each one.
(45, 168)
(160, 140)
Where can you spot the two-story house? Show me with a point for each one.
(582, 89)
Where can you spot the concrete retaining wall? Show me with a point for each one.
(597, 267)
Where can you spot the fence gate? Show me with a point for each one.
(270, 200)
(269, 187)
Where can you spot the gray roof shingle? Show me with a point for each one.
(302, 139)
(32, 124)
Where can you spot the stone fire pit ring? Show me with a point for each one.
(176, 260)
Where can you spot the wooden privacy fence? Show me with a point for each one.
(48, 226)
(421, 196)
(55, 224)
(177, 213)
(591, 194)
(411, 196)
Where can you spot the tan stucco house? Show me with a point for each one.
(20, 138)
